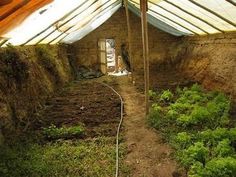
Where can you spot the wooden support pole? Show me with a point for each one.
(144, 9)
(129, 39)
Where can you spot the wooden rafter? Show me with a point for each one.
(129, 38)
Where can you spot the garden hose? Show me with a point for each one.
(118, 128)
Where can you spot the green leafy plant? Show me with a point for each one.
(152, 95)
(182, 140)
(53, 132)
(196, 123)
(166, 96)
(220, 167)
(223, 149)
(195, 153)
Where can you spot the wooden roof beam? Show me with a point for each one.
(144, 9)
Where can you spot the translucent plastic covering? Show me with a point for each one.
(193, 17)
(61, 21)
(30, 22)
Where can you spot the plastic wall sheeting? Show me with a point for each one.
(193, 17)
(38, 21)
(59, 20)
(30, 22)
(13, 13)
(93, 24)
(159, 23)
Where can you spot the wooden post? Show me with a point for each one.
(144, 9)
(129, 38)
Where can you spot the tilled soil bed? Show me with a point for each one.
(89, 103)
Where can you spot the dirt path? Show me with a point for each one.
(147, 155)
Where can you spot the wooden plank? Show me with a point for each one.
(129, 39)
(144, 9)
(13, 9)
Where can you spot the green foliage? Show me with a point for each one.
(53, 132)
(196, 88)
(95, 157)
(155, 116)
(181, 108)
(217, 167)
(195, 153)
(195, 122)
(221, 167)
(198, 115)
(172, 114)
(166, 96)
(152, 95)
(182, 140)
(223, 149)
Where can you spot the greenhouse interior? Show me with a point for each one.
(128, 88)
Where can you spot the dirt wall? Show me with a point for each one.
(210, 60)
(28, 76)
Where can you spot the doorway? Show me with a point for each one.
(107, 57)
(111, 55)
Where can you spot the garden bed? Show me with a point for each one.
(74, 136)
(199, 127)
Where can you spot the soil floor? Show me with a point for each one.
(148, 155)
(98, 109)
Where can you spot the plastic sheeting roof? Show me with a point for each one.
(29, 22)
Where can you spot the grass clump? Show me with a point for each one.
(54, 132)
(197, 124)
